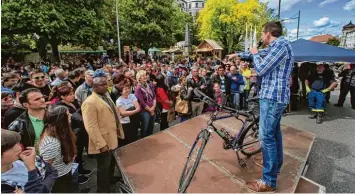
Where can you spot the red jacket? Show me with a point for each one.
(162, 96)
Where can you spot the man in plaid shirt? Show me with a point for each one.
(274, 66)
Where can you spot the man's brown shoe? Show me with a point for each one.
(259, 186)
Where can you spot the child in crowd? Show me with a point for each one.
(218, 94)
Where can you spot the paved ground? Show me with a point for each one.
(332, 160)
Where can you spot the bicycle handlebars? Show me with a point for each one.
(208, 100)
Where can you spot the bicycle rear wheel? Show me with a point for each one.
(193, 159)
(249, 139)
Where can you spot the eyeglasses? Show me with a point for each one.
(39, 77)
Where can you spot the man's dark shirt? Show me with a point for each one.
(320, 82)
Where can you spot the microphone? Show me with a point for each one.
(260, 43)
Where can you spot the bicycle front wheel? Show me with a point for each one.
(249, 139)
(193, 159)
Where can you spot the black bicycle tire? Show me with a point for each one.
(242, 136)
(183, 185)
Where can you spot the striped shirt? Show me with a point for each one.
(50, 149)
(274, 65)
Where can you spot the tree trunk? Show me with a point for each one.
(42, 44)
(55, 52)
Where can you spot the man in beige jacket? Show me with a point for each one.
(103, 126)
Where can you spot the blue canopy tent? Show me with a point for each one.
(305, 50)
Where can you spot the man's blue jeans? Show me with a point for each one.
(235, 100)
(271, 139)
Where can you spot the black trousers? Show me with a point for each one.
(82, 141)
(164, 121)
(63, 184)
(105, 169)
(344, 90)
(130, 134)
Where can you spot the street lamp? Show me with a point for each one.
(118, 31)
(279, 9)
(298, 23)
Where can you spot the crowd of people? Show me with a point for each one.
(58, 112)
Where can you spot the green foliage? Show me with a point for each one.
(224, 21)
(80, 22)
(151, 23)
(333, 41)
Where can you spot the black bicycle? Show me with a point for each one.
(246, 140)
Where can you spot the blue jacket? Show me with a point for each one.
(235, 85)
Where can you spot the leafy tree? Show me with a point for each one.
(333, 41)
(224, 21)
(151, 23)
(79, 22)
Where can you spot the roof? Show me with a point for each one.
(305, 50)
(212, 43)
(322, 38)
(349, 25)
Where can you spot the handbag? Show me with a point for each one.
(181, 105)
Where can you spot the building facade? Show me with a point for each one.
(348, 36)
(192, 7)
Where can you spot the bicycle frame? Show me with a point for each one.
(235, 143)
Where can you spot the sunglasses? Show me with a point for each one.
(39, 77)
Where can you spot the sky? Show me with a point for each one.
(317, 16)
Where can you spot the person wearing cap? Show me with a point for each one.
(28, 175)
(85, 89)
(316, 87)
(102, 123)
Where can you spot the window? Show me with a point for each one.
(189, 5)
(203, 5)
(196, 5)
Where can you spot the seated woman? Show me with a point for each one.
(31, 175)
(129, 109)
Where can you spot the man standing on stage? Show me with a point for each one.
(274, 65)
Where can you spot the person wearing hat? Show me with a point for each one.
(28, 175)
(103, 126)
(316, 87)
(85, 89)
(347, 84)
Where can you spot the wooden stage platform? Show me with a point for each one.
(154, 164)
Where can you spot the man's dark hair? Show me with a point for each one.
(274, 27)
(221, 67)
(73, 74)
(8, 76)
(24, 94)
(36, 71)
